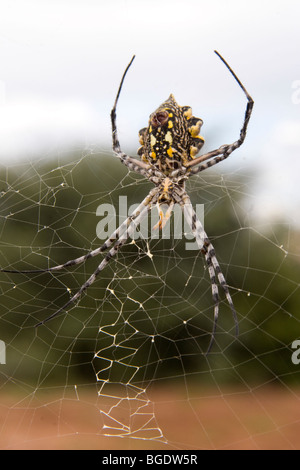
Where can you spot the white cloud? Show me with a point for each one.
(31, 126)
(277, 184)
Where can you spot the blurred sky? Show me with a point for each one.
(61, 62)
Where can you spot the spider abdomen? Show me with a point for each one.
(171, 138)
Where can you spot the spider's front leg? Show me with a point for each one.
(223, 152)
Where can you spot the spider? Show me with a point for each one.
(169, 146)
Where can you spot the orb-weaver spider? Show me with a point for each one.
(169, 146)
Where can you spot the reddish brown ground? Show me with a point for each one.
(266, 419)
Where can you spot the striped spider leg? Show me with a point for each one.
(132, 163)
(206, 247)
(131, 223)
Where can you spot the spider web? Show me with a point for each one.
(129, 359)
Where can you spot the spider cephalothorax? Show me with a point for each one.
(169, 146)
(172, 137)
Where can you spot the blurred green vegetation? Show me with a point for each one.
(150, 313)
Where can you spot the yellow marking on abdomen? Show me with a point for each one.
(152, 140)
(168, 137)
(188, 113)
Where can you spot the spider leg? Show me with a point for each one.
(82, 259)
(132, 163)
(221, 156)
(224, 151)
(132, 222)
(207, 249)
